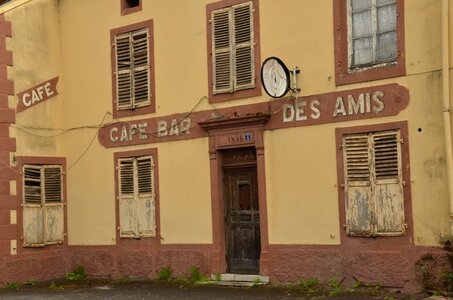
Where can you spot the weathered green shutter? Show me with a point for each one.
(388, 183)
(358, 189)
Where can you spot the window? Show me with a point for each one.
(130, 6)
(369, 37)
(136, 195)
(43, 205)
(132, 64)
(373, 183)
(233, 37)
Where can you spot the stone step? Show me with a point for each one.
(238, 280)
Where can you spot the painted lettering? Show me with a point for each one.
(354, 107)
(49, 92)
(124, 134)
(288, 108)
(132, 130)
(142, 134)
(339, 107)
(378, 103)
(162, 128)
(26, 99)
(300, 111)
(174, 128)
(316, 113)
(113, 135)
(185, 126)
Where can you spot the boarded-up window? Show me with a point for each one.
(233, 58)
(372, 32)
(136, 197)
(132, 69)
(43, 213)
(374, 200)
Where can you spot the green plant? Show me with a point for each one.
(195, 274)
(356, 284)
(378, 286)
(256, 282)
(389, 298)
(309, 283)
(336, 288)
(29, 282)
(218, 277)
(13, 285)
(77, 274)
(164, 273)
(52, 285)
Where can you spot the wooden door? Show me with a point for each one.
(242, 220)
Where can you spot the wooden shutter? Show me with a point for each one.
(141, 80)
(243, 46)
(33, 226)
(53, 205)
(123, 51)
(146, 200)
(222, 72)
(388, 183)
(358, 190)
(127, 205)
(43, 215)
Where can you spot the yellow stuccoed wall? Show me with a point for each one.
(301, 176)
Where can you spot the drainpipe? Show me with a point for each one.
(446, 104)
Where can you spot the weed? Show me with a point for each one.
(164, 273)
(29, 282)
(389, 298)
(336, 288)
(218, 277)
(356, 284)
(13, 285)
(195, 274)
(256, 282)
(52, 285)
(77, 274)
(378, 286)
(309, 283)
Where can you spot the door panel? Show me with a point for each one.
(242, 220)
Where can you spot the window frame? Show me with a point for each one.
(119, 156)
(242, 93)
(343, 73)
(151, 108)
(23, 161)
(125, 9)
(405, 172)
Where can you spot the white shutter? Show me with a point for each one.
(388, 185)
(127, 205)
(53, 206)
(222, 51)
(141, 91)
(358, 190)
(243, 46)
(146, 200)
(33, 227)
(123, 51)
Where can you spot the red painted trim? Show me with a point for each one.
(342, 73)
(381, 241)
(146, 109)
(38, 160)
(146, 241)
(125, 9)
(256, 91)
(307, 111)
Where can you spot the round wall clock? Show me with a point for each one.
(275, 77)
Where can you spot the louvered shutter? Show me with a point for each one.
(53, 205)
(243, 49)
(33, 226)
(222, 51)
(146, 200)
(141, 80)
(358, 190)
(388, 183)
(123, 53)
(127, 205)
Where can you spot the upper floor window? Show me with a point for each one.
(369, 40)
(233, 39)
(130, 6)
(132, 64)
(43, 205)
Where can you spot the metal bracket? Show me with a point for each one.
(294, 72)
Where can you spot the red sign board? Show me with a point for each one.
(37, 94)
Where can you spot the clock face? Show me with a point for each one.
(275, 77)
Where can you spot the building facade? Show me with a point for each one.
(292, 140)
